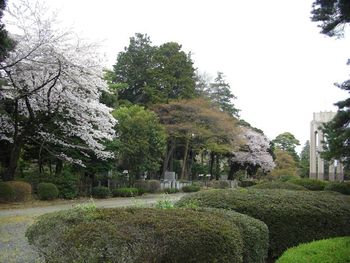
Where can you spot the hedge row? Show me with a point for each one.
(15, 191)
(279, 185)
(293, 217)
(149, 235)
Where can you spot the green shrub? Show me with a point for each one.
(334, 250)
(67, 184)
(190, 188)
(136, 235)
(285, 178)
(22, 190)
(7, 194)
(171, 190)
(219, 184)
(147, 186)
(340, 187)
(47, 191)
(279, 185)
(255, 234)
(100, 192)
(153, 186)
(311, 184)
(246, 183)
(125, 192)
(293, 217)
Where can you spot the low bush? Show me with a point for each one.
(293, 217)
(219, 184)
(100, 192)
(47, 191)
(311, 184)
(246, 183)
(279, 185)
(22, 190)
(255, 234)
(285, 178)
(334, 250)
(153, 186)
(136, 235)
(171, 190)
(147, 186)
(190, 188)
(340, 187)
(7, 194)
(125, 192)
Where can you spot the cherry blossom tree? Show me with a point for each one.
(254, 154)
(54, 81)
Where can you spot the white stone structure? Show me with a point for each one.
(317, 165)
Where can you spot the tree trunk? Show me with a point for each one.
(217, 167)
(167, 157)
(185, 158)
(59, 167)
(14, 157)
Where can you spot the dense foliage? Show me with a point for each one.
(47, 191)
(335, 250)
(293, 217)
(145, 235)
(279, 185)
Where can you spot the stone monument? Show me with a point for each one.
(317, 164)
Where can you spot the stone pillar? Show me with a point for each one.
(340, 172)
(320, 162)
(313, 160)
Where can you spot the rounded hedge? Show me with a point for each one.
(100, 192)
(219, 184)
(125, 192)
(334, 250)
(171, 190)
(47, 191)
(22, 190)
(6, 192)
(293, 217)
(340, 187)
(148, 186)
(190, 188)
(137, 235)
(279, 185)
(311, 184)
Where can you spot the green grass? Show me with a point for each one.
(334, 250)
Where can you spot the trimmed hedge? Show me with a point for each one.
(125, 192)
(279, 185)
(219, 184)
(22, 190)
(311, 184)
(136, 235)
(293, 217)
(147, 186)
(246, 183)
(6, 192)
(190, 188)
(334, 250)
(47, 191)
(171, 190)
(100, 192)
(340, 187)
(255, 234)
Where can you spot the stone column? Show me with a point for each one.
(320, 162)
(340, 172)
(313, 171)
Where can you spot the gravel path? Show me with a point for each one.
(14, 247)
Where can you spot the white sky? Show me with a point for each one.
(278, 64)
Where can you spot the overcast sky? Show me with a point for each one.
(278, 64)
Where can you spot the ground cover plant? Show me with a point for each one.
(293, 217)
(334, 250)
(137, 235)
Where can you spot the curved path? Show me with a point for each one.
(14, 247)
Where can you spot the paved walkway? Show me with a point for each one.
(14, 247)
